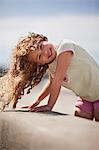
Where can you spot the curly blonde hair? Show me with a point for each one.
(29, 73)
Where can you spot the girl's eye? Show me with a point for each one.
(41, 46)
(39, 56)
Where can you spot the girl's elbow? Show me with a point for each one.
(59, 80)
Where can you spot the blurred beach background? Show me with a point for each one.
(77, 20)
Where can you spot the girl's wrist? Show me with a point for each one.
(48, 107)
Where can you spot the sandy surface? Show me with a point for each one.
(47, 131)
(56, 130)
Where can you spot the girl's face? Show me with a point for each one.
(44, 54)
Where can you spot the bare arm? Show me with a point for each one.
(64, 61)
(62, 65)
(45, 92)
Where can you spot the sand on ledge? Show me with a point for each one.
(56, 130)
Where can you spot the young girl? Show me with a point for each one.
(69, 66)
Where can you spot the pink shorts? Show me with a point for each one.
(87, 106)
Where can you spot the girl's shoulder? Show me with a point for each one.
(66, 45)
(66, 41)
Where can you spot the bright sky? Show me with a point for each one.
(77, 20)
(9, 8)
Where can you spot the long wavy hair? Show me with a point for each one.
(28, 74)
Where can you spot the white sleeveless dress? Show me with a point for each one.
(82, 73)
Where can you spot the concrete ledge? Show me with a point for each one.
(47, 131)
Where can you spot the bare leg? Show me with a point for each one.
(83, 114)
(96, 110)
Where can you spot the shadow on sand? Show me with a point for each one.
(53, 113)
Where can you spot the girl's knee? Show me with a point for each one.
(83, 114)
(96, 114)
(84, 109)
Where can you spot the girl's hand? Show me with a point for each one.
(40, 108)
(35, 103)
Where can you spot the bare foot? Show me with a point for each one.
(80, 113)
